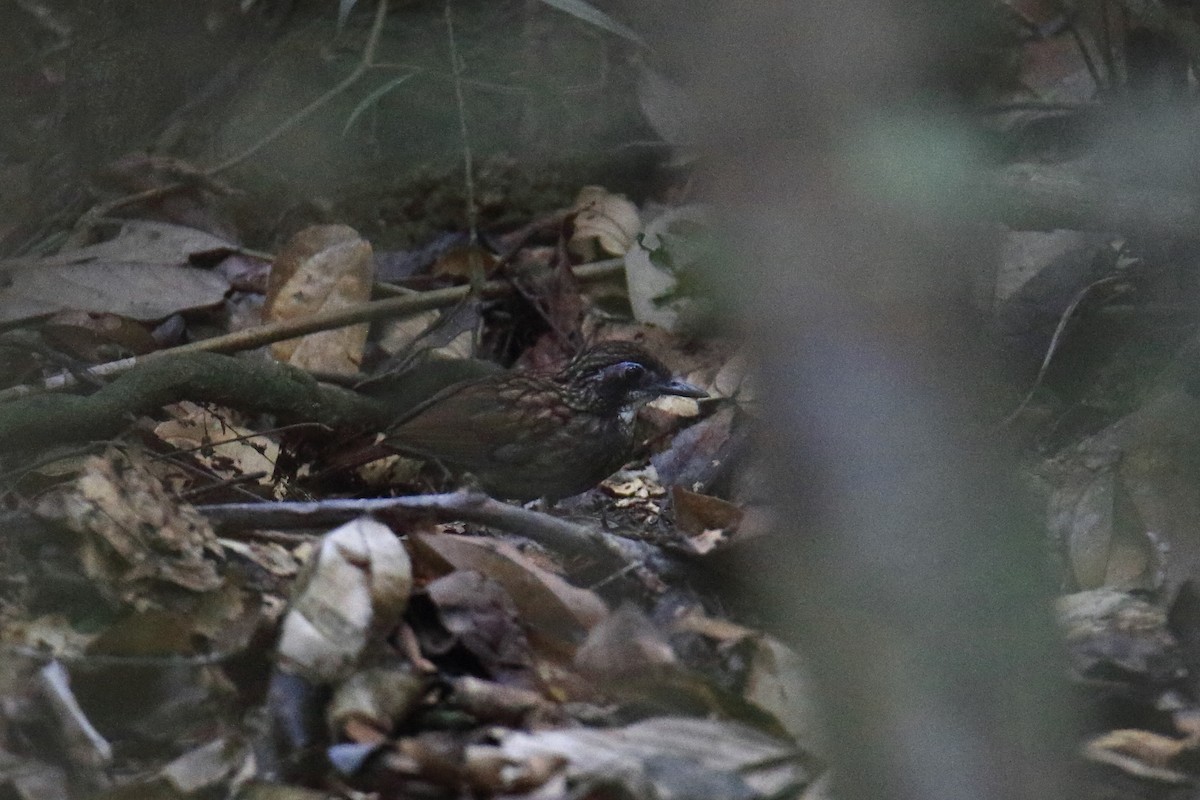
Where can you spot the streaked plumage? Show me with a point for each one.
(525, 435)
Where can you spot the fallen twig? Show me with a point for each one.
(404, 305)
(289, 393)
(365, 63)
(567, 538)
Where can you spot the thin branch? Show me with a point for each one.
(468, 166)
(364, 64)
(404, 305)
(567, 538)
(1055, 340)
(1084, 53)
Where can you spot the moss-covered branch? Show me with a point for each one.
(254, 386)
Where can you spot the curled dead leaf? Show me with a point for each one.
(134, 533)
(605, 224)
(357, 585)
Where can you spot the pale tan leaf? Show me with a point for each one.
(605, 224)
(357, 587)
(228, 450)
(322, 268)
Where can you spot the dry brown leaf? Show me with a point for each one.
(777, 680)
(623, 645)
(97, 337)
(634, 484)
(696, 451)
(696, 513)
(458, 262)
(547, 603)
(483, 619)
(378, 699)
(322, 268)
(134, 532)
(721, 630)
(270, 556)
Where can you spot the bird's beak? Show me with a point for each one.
(681, 388)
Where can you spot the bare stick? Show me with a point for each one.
(365, 63)
(468, 166)
(557, 534)
(403, 305)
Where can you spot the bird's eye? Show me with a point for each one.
(624, 374)
(632, 370)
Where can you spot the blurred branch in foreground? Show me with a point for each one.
(910, 573)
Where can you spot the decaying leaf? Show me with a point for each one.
(481, 617)
(322, 268)
(622, 645)
(379, 698)
(1083, 514)
(734, 378)
(1115, 637)
(605, 224)
(207, 767)
(670, 757)
(777, 682)
(143, 274)
(1128, 495)
(134, 534)
(548, 604)
(461, 262)
(356, 586)
(1141, 753)
(449, 334)
(705, 519)
(695, 454)
(654, 267)
(496, 702)
(227, 449)
(96, 338)
(270, 556)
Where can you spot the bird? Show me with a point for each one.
(526, 435)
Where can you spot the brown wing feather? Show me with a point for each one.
(462, 426)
